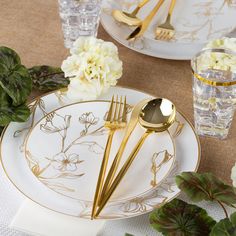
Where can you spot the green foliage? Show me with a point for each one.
(180, 218)
(225, 227)
(46, 78)
(15, 87)
(207, 187)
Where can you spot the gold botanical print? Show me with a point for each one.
(168, 185)
(156, 167)
(178, 129)
(61, 96)
(64, 163)
(37, 104)
(143, 204)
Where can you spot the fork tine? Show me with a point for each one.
(124, 111)
(160, 35)
(110, 109)
(120, 108)
(116, 108)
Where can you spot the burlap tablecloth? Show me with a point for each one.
(33, 29)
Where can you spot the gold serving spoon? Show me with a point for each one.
(139, 31)
(155, 116)
(129, 18)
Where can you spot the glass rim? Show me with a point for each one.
(208, 81)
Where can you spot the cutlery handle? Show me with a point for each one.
(172, 5)
(148, 19)
(102, 172)
(114, 166)
(122, 172)
(140, 5)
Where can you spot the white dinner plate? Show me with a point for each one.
(195, 22)
(77, 140)
(13, 144)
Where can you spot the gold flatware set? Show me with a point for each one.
(163, 31)
(155, 115)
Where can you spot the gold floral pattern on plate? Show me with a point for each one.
(60, 169)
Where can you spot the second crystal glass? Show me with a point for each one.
(79, 18)
(214, 91)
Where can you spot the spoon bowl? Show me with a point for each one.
(157, 115)
(126, 18)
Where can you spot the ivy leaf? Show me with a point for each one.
(180, 218)
(225, 227)
(8, 59)
(207, 187)
(46, 78)
(17, 84)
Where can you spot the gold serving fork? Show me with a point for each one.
(115, 119)
(139, 31)
(166, 31)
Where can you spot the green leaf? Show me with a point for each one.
(180, 218)
(17, 84)
(8, 60)
(8, 112)
(129, 234)
(207, 187)
(17, 114)
(225, 227)
(46, 78)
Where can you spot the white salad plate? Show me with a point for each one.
(36, 158)
(195, 22)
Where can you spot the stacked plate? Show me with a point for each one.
(55, 157)
(195, 22)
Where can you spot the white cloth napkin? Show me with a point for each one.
(33, 219)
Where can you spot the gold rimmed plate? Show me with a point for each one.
(16, 166)
(195, 23)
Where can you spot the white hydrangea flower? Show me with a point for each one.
(86, 44)
(219, 61)
(233, 175)
(226, 43)
(73, 65)
(93, 67)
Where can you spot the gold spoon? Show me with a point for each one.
(129, 18)
(139, 31)
(155, 116)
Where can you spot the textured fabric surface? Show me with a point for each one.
(33, 29)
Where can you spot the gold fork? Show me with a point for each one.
(115, 119)
(166, 31)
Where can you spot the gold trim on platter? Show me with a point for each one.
(113, 217)
(213, 83)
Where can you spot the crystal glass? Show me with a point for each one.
(214, 91)
(79, 18)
